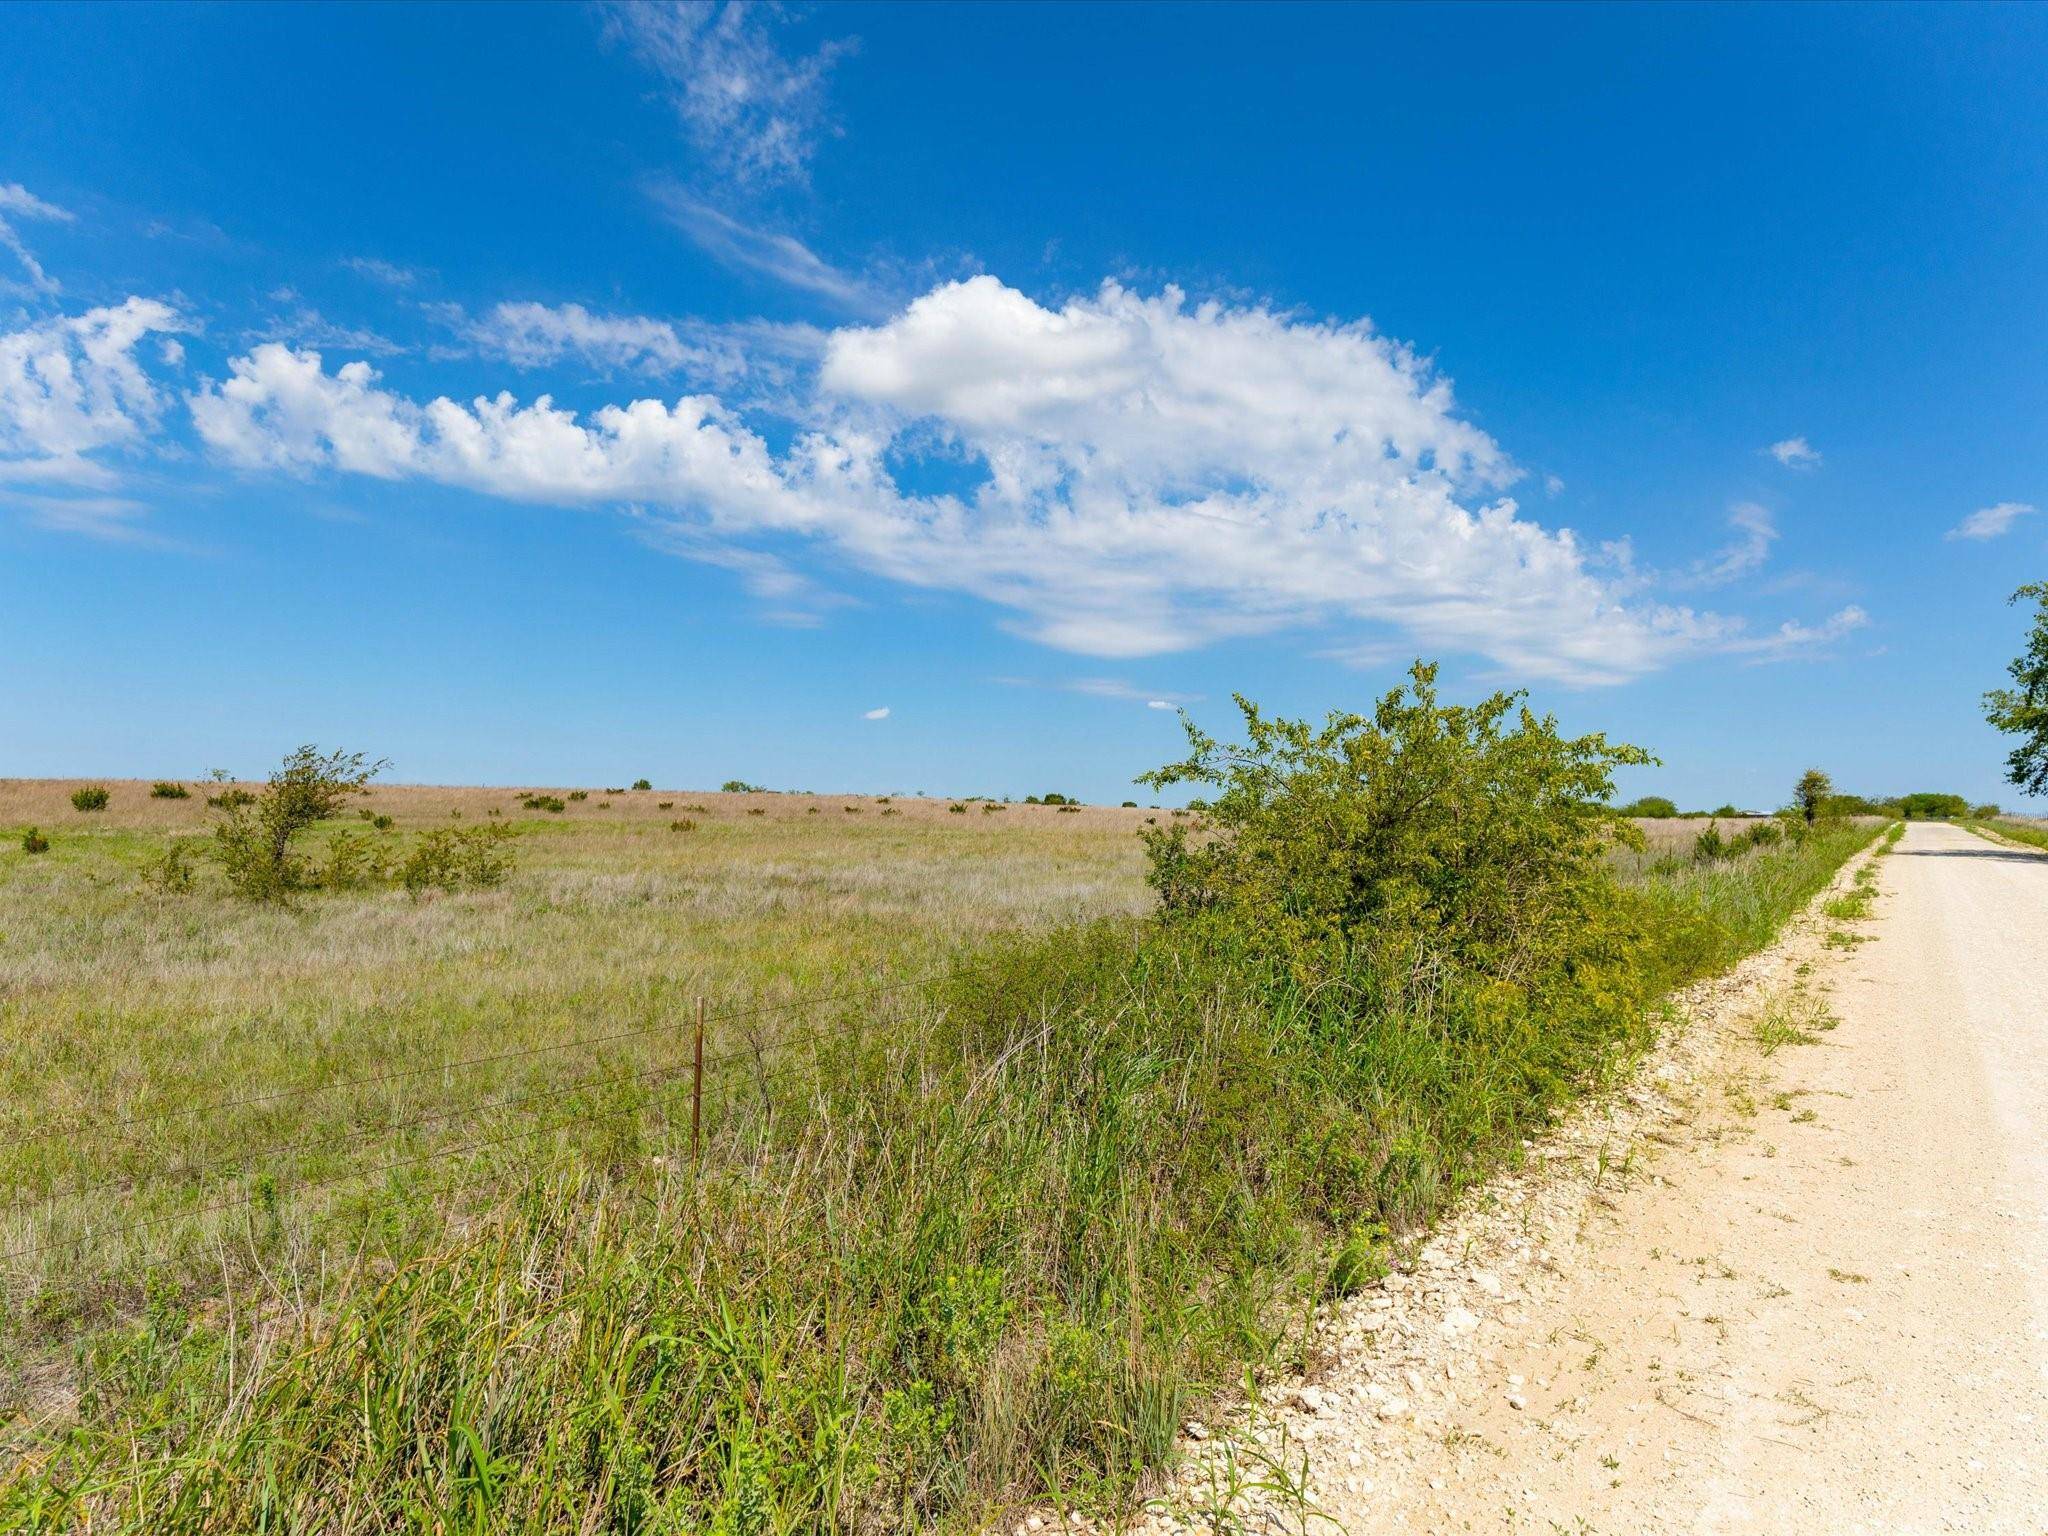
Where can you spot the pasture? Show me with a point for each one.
(1041, 1179)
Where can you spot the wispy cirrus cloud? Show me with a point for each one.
(1990, 522)
(755, 112)
(749, 247)
(1756, 531)
(18, 203)
(377, 270)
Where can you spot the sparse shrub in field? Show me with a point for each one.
(1069, 810)
(1710, 846)
(170, 872)
(643, 784)
(664, 805)
(92, 797)
(253, 840)
(682, 824)
(164, 789)
(698, 810)
(851, 810)
(605, 805)
(740, 787)
(382, 823)
(619, 791)
(579, 794)
(494, 811)
(956, 810)
(352, 862)
(231, 798)
(450, 860)
(881, 800)
(1130, 805)
(755, 810)
(33, 841)
(551, 803)
(892, 811)
(811, 810)
(989, 807)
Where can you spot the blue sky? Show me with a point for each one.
(570, 394)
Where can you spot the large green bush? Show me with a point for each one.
(1422, 833)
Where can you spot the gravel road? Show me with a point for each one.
(1802, 1289)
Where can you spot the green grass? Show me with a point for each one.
(976, 1244)
(2031, 835)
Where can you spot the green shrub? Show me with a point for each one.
(164, 789)
(619, 791)
(33, 841)
(956, 810)
(550, 803)
(1477, 835)
(254, 840)
(452, 859)
(353, 861)
(579, 794)
(170, 872)
(682, 824)
(643, 784)
(664, 805)
(234, 797)
(92, 797)
(1650, 806)
(740, 787)
(1710, 845)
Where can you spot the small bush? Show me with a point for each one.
(851, 810)
(664, 805)
(353, 861)
(1710, 846)
(1069, 810)
(740, 787)
(605, 805)
(579, 794)
(892, 811)
(1130, 805)
(92, 797)
(170, 872)
(619, 791)
(230, 799)
(33, 841)
(551, 803)
(956, 810)
(254, 840)
(382, 823)
(643, 784)
(454, 859)
(755, 810)
(682, 824)
(164, 789)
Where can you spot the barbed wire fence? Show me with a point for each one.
(268, 1192)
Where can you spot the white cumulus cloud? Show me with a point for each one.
(1795, 453)
(70, 387)
(1123, 474)
(877, 714)
(1990, 522)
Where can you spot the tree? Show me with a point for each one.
(1479, 835)
(254, 836)
(1651, 805)
(2022, 710)
(1813, 787)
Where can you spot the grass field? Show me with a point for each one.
(380, 1212)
